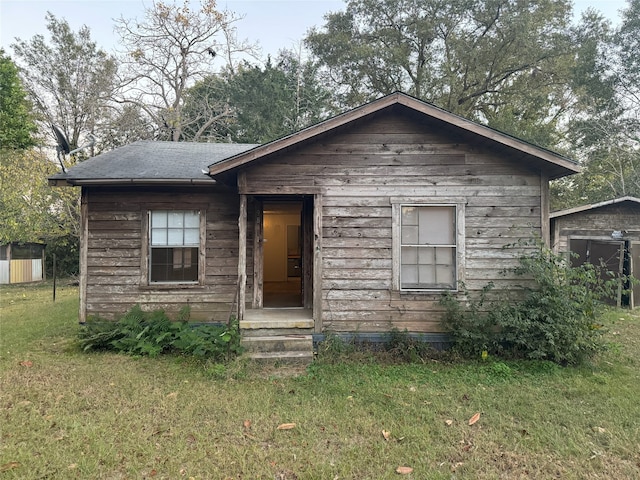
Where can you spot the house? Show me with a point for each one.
(355, 225)
(607, 232)
(21, 263)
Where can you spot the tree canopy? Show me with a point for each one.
(167, 53)
(17, 126)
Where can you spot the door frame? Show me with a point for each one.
(311, 252)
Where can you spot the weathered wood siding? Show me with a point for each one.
(359, 170)
(115, 247)
(597, 223)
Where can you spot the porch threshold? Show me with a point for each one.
(277, 318)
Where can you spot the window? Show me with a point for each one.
(428, 247)
(174, 246)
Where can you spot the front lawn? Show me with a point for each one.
(66, 414)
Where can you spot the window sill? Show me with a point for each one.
(172, 286)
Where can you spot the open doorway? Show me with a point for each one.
(282, 254)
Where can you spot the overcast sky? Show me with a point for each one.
(273, 24)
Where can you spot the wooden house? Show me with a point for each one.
(607, 232)
(354, 225)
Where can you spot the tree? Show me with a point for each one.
(606, 138)
(69, 79)
(262, 102)
(17, 125)
(31, 210)
(501, 62)
(169, 52)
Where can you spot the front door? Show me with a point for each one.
(282, 253)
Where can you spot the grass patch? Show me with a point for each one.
(66, 414)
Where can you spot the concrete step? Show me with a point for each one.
(276, 324)
(278, 343)
(304, 357)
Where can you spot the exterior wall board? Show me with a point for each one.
(115, 247)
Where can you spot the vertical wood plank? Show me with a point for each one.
(202, 253)
(144, 247)
(258, 254)
(544, 209)
(84, 238)
(317, 262)
(307, 252)
(242, 256)
(395, 245)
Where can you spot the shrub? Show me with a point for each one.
(554, 319)
(154, 333)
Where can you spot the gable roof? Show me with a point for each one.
(553, 163)
(151, 162)
(570, 211)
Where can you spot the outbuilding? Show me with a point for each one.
(606, 233)
(21, 263)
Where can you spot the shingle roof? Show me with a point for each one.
(148, 161)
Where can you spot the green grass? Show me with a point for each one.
(65, 414)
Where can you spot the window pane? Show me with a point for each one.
(158, 236)
(175, 236)
(444, 276)
(427, 275)
(192, 219)
(409, 235)
(158, 219)
(409, 276)
(176, 220)
(191, 236)
(426, 256)
(409, 255)
(409, 215)
(444, 256)
(436, 225)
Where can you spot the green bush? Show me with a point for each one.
(553, 319)
(154, 333)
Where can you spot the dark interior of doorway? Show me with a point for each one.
(282, 286)
(612, 259)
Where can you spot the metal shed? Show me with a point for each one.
(607, 232)
(21, 263)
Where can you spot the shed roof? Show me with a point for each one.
(570, 211)
(554, 164)
(151, 162)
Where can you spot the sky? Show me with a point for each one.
(273, 24)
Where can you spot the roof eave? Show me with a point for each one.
(77, 182)
(582, 208)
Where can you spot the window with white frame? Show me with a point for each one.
(428, 247)
(174, 245)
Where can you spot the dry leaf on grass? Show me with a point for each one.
(386, 434)
(26, 363)
(474, 419)
(9, 466)
(286, 426)
(404, 470)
